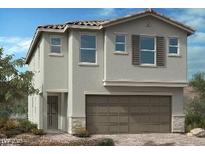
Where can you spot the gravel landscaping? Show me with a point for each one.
(170, 139)
(167, 139)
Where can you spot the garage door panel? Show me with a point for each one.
(155, 118)
(139, 109)
(141, 100)
(165, 128)
(118, 109)
(123, 129)
(164, 118)
(154, 109)
(128, 114)
(97, 119)
(139, 118)
(97, 110)
(164, 109)
(98, 129)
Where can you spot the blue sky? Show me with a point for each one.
(18, 26)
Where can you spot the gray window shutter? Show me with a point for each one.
(135, 50)
(160, 51)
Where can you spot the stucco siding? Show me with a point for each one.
(55, 66)
(85, 77)
(119, 67)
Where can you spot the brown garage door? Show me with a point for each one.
(128, 114)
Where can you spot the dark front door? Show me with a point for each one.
(52, 112)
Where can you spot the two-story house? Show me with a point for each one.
(118, 76)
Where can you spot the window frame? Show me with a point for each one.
(55, 53)
(147, 50)
(173, 54)
(88, 63)
(117, 51)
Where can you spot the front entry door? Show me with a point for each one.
(52, 112)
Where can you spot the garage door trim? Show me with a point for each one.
(169, 114)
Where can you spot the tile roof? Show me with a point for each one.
(78, 23)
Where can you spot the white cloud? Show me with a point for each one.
(192, 17)
(107, 11)
(13, 45)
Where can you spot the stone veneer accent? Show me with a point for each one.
(178, 122)
(75, 123)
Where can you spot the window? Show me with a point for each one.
(147, 50)
(55, 45)
(120, 43)
(173, 46)
(88, 49)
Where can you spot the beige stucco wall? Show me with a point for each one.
(56, 67)
(175, 69)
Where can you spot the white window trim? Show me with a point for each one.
(173, 54)
(125, 43)
(88, 63)
(55, 36)
(155, 53)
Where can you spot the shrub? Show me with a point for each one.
(3, 122)
(27, 125)
(106, 142)
(81, 132)
(11, 124)
(13, 132)
(36, 131)
(194, 121)
(195, 114)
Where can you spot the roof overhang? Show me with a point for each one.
(36, 38)
(122, 83)
(186, 28)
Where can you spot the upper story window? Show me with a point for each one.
(88, 49)
(147, 50)
(120, 41)
(173, 46)
(55, 45)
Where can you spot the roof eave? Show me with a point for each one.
(189, 30)
(36, 37)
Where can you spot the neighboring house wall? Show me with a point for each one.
(35, 101)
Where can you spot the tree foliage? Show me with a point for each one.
(14, 84)
(198, 83)
(195, 110)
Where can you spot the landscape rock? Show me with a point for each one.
(198, 132)
(189, 134)
(2, 136)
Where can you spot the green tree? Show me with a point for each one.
(14, 84)
(198, 83)
(195, 110)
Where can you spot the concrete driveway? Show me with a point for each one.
(157, 139)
